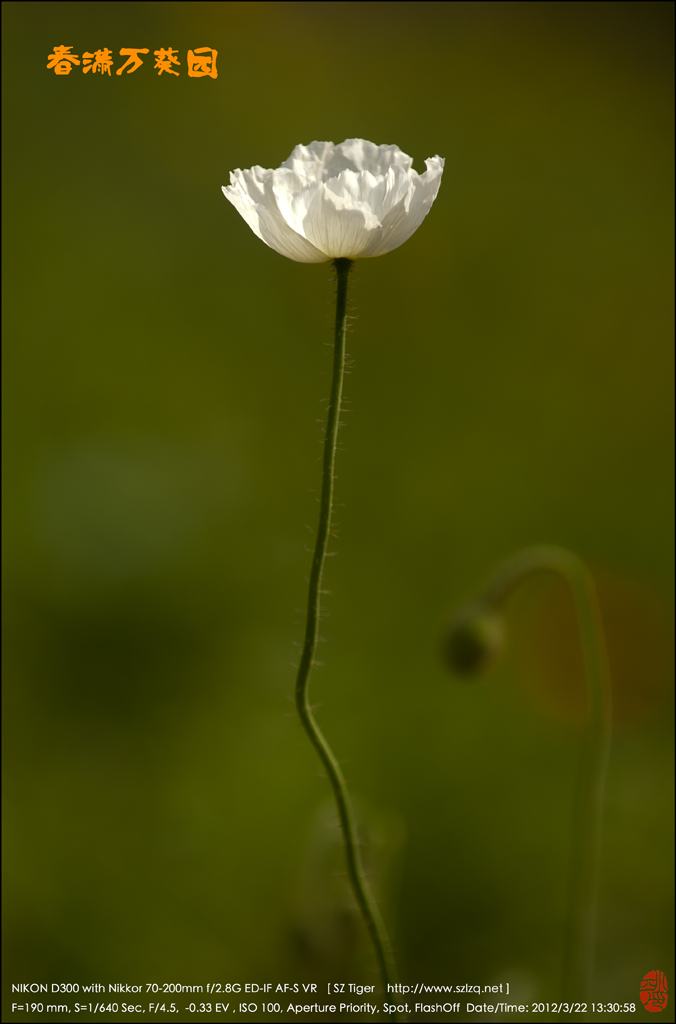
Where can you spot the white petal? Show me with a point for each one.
(324, 160)
(276, 233)
(338, 227)
(408, 214)
(309, 161)
(293, 195)
(360, 155)
(252, 195)
(244, 206)
(360, 190)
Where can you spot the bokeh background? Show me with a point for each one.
(165, 819)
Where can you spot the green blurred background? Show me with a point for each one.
(164, 374)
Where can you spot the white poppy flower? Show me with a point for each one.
(327, 202)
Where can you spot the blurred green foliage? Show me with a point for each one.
(164, 371)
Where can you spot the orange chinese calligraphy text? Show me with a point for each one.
(132, 58)
(61, 60)
(203, 65)
(165, 58)
(99, 61)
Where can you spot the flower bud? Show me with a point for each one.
(474, 638)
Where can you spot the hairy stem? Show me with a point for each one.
(580, 933)
(360, 887)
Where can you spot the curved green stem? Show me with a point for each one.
(586, 844)
(360, 887)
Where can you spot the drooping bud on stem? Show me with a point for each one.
(475, 638)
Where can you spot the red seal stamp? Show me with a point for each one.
(653, 993)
